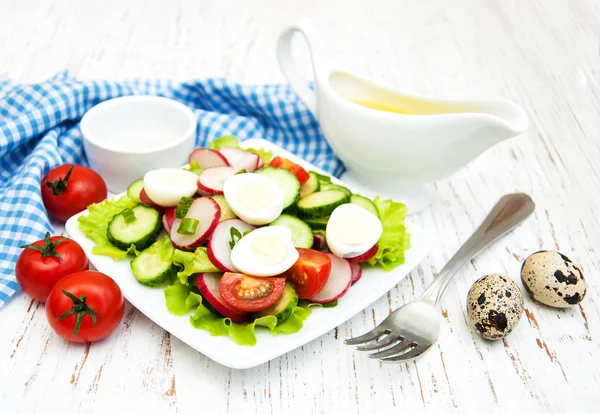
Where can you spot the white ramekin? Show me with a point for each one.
(126, 137)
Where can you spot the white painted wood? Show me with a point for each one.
(541, 53)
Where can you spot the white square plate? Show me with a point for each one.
(373, 284)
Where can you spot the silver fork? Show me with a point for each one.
(412, 329)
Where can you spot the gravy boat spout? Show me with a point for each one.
(394, 143)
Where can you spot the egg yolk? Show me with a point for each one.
(350, 229)
(268, 248)
(255, 195)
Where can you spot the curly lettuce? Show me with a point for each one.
(395, 239)
(181, 301)
(194, 167)
(95, 224)
(192, 262)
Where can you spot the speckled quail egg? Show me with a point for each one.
(553, 279)
(495, 306)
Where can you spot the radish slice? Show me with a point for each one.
(338, 283)
(260, 163)
(356, 272)
(319, 242)
(207, 212)
(208, 285)
(213, 179)
(144, 199)
(168, 219)
(240, 159)
(219, 251)
(208, 158)
(365, 256)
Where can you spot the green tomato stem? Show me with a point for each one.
(59, 186)
(80, 309)
(48, 249)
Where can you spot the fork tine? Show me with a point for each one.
(388, 340)
(395, 350)
(413, 353)
(369, 336)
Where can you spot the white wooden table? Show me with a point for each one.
(543, 54)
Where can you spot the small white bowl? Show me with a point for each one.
(126, 137)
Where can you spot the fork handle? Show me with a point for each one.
(510, 211)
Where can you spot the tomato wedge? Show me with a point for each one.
(310, 272)
(245, 293)
(298, 171)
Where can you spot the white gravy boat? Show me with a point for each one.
(395, 154)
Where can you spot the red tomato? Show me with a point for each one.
(69, 189)
(298, 171)
(85, 306)
(310, 272)
(45, 262)
(248, 293)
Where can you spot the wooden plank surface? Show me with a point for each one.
(543, 54)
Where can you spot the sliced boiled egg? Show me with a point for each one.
(267, 251)
(166, 186)
(253, 198)
(352, 231)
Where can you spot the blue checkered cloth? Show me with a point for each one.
(39, 130)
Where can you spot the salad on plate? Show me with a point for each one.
(240, 239)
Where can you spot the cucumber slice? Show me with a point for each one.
(226, 211)
(150, 269)
(322, 178)
(302, 235)
(321, 204)
(283, 307)
(134, 190)
(331, 186)
(287, 182)
(291, 210)
(141, 232)
(317, 223)
(365, 203)
(311, 186)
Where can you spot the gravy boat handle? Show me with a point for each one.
(318, 54)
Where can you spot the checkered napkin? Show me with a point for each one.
(39, 130)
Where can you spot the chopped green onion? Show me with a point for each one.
(188, 226)
(182, 208)
(235, 236)
(242, 171)
(128, 215)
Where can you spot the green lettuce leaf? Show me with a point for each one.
(95, 225)
(394, 240)
(180, 301)
(226, 141)
(294, 322)
(266, 155)
(194, 167)
(175, 297)
(132, 251)
(229, 141)
(192, 262)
